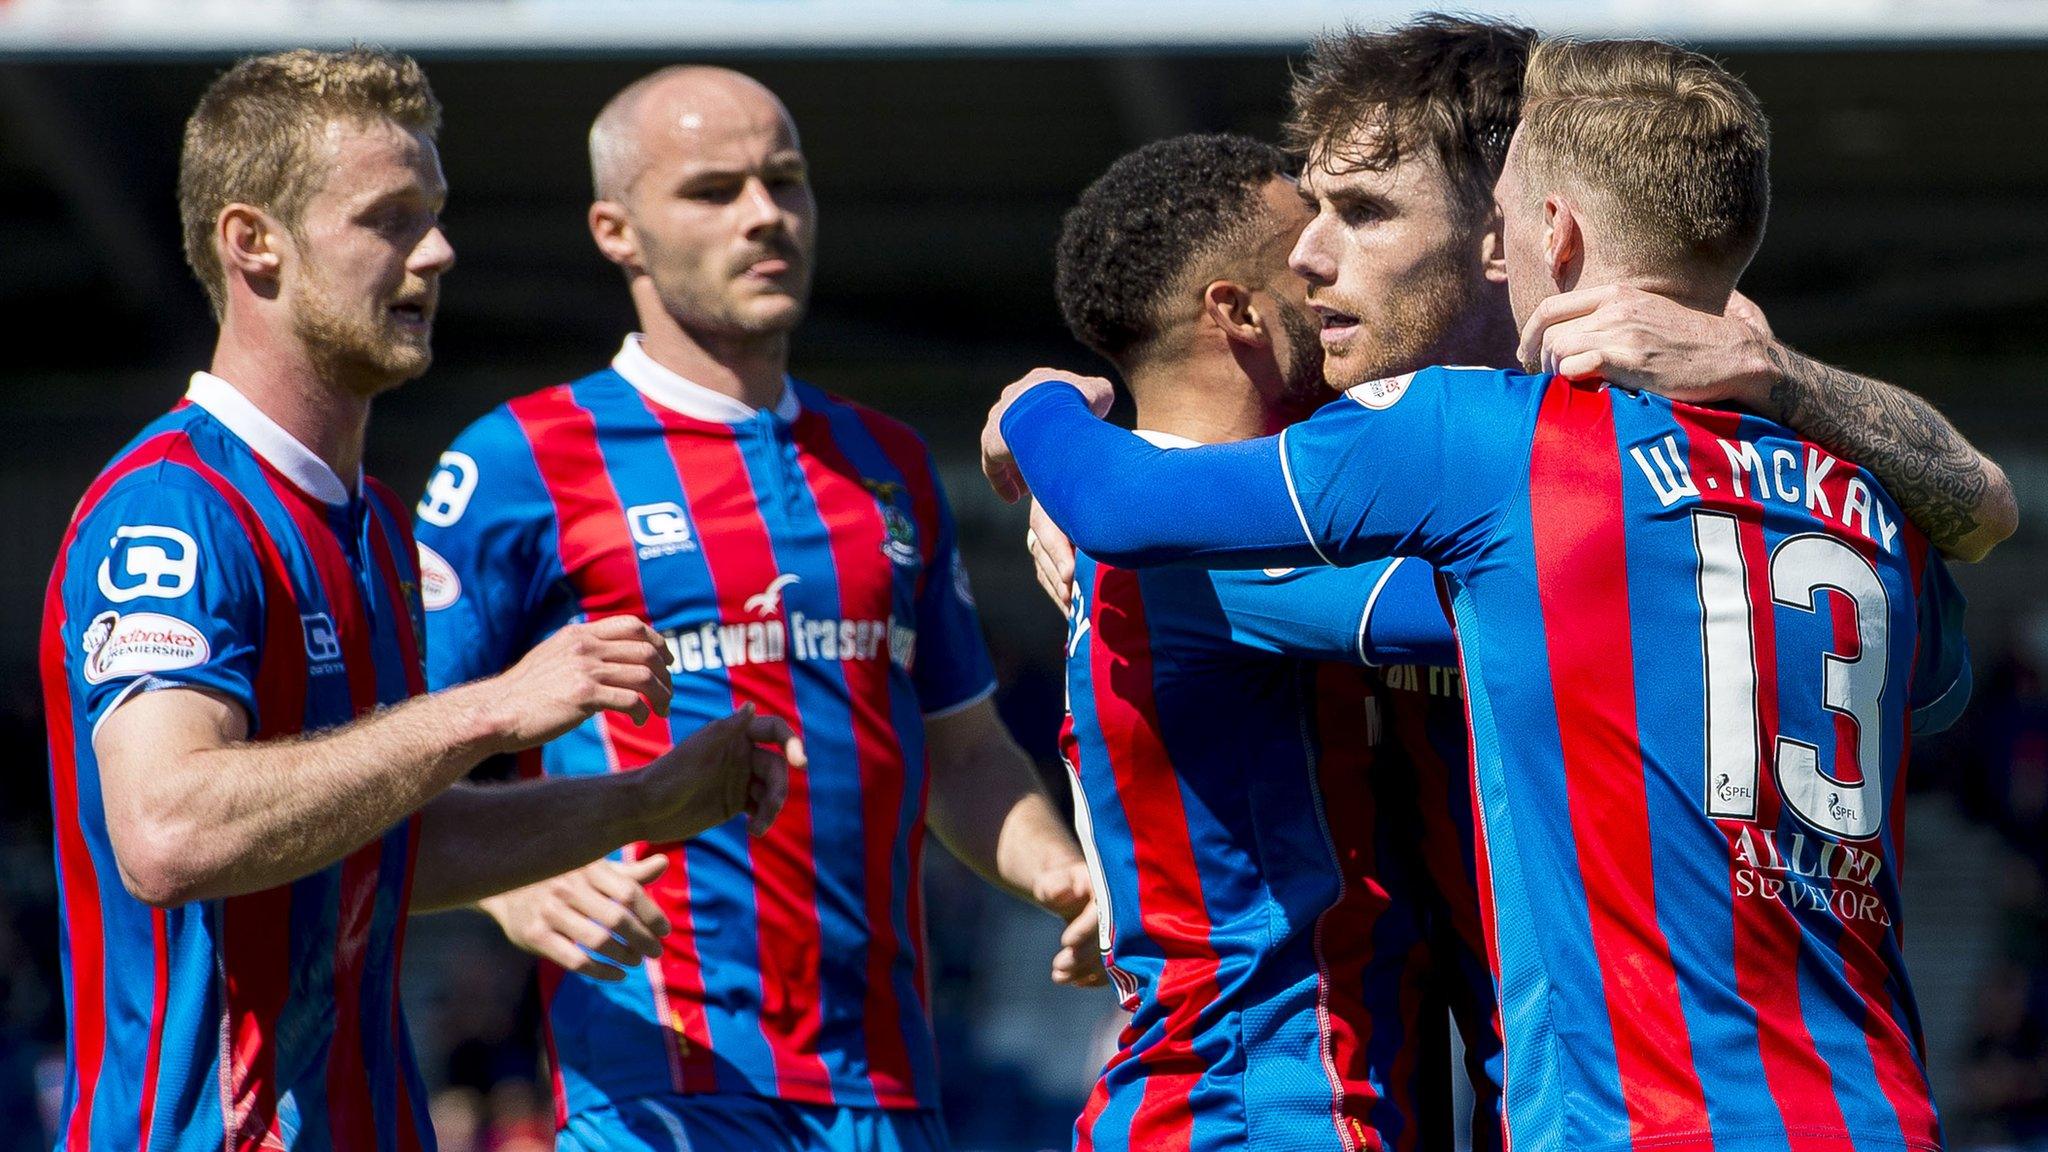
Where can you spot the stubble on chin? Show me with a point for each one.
(1305, 383)
(731, 315)
(1418, 326)
(357, 352)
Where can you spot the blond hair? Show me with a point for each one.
(1676, 146)
(254, 138)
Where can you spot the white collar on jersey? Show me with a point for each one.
(1166, 439)
(688, 397)
(264, 436)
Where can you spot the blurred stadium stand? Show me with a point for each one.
(1909, 238)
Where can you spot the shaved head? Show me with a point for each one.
(673, 109)
(704, 202)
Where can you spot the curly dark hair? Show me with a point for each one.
(1447, 83)
(1138, 229)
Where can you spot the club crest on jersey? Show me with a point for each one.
(660, 529)
(899, 542)
(440, 587)
(154, 560)
(449, 489)
(140, 642)
(1382, 394)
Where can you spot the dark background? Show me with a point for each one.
(1909, 240)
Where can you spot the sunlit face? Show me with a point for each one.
(1524, 233)
(1392, 266)
(370, 254)
(722, 210)
(1297, 345)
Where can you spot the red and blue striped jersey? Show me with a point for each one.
(217, 553)
(1695, 646)
(801, 559)
(1259, 896)
(1424, 762)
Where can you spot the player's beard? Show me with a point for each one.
(1301, 333)
(1428, 320)
(360, 348)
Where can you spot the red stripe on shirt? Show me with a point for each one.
(1767, 933)
(598, 555)
(256, 927)
(1343, 937)
(85, 932)
(385, 549)
(867, 583)
(408, 1117)
(739, 553)
(1894, 1050)
(911, 460)
(1582, 583)
(351, 1113)
(1172, 911)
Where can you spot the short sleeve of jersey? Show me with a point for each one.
(485, 527)
(1416, 465)
(1385, 612)
(1941, 667)
(952, 669)
(162, 589)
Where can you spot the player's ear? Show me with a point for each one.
(613, 232)
(250, 243)
(1232, 308)
(1563, 241)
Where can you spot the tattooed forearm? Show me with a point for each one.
(1958, 498)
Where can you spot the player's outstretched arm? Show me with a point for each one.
(990, 811)
(1638, 339)
(478, 841)
(196, 811)
(1129, 503)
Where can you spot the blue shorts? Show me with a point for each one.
(733, 1123)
